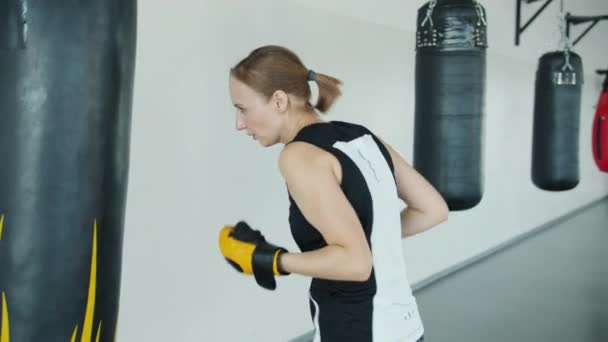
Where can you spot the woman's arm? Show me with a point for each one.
(314, 185)
(425, 206)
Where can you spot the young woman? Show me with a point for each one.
(344, 186)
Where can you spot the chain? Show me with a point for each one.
(480, 14)
(565, 40)
(429, 13)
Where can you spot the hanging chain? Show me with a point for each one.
(478, 9)
(429, 13)
(565, 40)
(480, 14)
(481, 20)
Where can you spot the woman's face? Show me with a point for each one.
(255, 114)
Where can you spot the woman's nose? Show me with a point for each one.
(240, 123)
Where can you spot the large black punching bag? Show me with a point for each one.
(450, 94)
(557, 105)
(66, 79)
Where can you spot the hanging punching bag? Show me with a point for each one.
(600, 127)
(450, 90)
(557, 104)
(66, 78)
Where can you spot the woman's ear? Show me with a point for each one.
(280, 101)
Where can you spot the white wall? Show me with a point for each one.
(191, 172)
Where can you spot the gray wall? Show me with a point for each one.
(191, 172)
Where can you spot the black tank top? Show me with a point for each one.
(346, 141)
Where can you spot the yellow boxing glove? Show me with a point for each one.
(248, 252)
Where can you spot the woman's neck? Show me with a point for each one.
(297, 122)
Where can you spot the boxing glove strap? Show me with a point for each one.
(266, 265)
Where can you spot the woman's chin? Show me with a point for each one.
(264, 142)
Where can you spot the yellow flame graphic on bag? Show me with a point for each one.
(4, 330)
(87, 331)
(87, 327)
(1, 225)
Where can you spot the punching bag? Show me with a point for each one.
(600, 128)
(450, 93)
(557, 104)
(66, 79)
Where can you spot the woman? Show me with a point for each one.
(344, 186)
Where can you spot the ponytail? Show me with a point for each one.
(329, 90)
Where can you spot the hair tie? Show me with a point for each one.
(312, 76)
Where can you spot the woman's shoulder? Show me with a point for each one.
(299, 152)
(303, 162)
